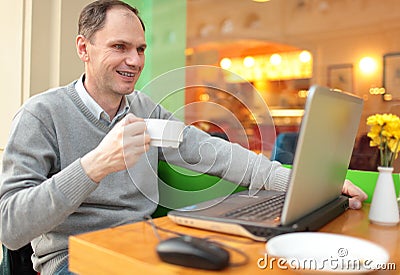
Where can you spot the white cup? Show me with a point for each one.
(165, 133)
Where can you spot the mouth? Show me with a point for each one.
(126, 74)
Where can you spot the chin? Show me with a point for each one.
(126, 89)
(129, 91)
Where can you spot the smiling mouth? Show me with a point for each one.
(127, 74)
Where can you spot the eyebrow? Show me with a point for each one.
(119, 41)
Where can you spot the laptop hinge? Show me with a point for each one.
(317, 219)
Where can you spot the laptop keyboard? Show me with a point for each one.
(265, 210)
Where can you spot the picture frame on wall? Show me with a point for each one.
(391, 76)
(340, 76)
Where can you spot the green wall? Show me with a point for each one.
(165, 22)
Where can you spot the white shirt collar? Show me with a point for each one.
(95, 108)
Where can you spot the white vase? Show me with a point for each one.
(384, 209)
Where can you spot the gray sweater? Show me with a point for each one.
(45, 196)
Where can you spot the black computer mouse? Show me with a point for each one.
(193, 252)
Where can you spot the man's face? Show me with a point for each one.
(116, 54)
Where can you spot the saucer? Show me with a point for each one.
(316, 252)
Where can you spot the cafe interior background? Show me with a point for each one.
(245, 54)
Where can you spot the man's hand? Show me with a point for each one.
(120, 149)
(357, 196)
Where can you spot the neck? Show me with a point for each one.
(110, 106)
(109, 102)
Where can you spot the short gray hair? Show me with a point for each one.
(93, 16)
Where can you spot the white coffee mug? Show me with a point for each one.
(165, 133)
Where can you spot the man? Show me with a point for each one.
(78, 157)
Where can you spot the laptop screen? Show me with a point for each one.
(323, 152)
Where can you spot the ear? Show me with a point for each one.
(81, 48)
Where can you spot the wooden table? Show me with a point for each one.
(130, 249)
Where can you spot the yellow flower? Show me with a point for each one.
(385, 134)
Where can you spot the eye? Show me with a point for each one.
(141, 50)
(119, 46)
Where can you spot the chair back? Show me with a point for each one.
(285, 147)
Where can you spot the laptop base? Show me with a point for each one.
(311, 222)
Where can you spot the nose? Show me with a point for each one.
(134, 58)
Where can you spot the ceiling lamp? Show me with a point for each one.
(260, 1)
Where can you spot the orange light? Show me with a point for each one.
(275, 59)
(367, 65)
(305, 56)
(225, 63)
(248, 61)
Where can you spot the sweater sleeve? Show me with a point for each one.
(212, 155)
(203, 153)
(35, 194)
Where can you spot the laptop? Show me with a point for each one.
(313, 198)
